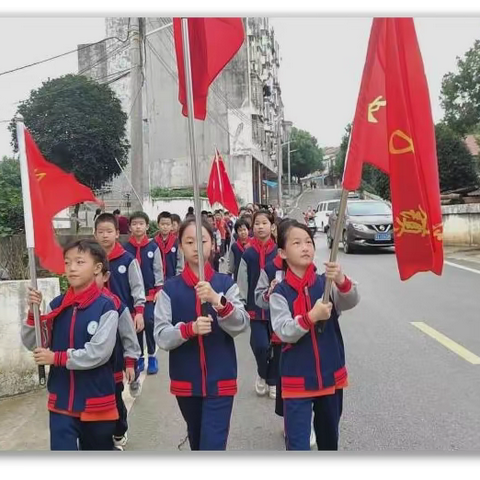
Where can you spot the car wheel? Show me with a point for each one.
(347, 247)
(325, 229)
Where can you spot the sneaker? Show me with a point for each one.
(135, 387)
(260, 386)
(272, 392)
(152, 365)
(141, 364)
(118, 447)
(120, 441)
(313, 437)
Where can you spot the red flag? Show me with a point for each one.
(213, 43)
(394, 131)
(51, 190)
(219, 189)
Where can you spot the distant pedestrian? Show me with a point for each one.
(123, 223)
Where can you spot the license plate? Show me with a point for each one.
(383, 236)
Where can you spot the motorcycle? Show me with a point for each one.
(310, 222)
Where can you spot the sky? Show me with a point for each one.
(320, 72)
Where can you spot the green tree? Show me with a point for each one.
(11, 206)
(460, 95)
(455, 162)
(306, 158)
(339, 164)
(78, 125)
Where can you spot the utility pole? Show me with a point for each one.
(136, 108)
(289, 173)
(280, 161)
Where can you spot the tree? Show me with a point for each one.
(306, 158)
(78, 125)
(460, 93)
(11, 206)
(339, 164)
(455, 162)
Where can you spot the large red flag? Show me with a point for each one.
(219, 189)
(394, 131)
(51, 190)
(213, 43)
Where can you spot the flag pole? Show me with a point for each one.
(29, 235)
(193, 152)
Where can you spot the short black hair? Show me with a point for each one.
(164, 214)
(265, 213)
(210, 215)
(241, 222)
(139, 214)
(176, 218)
(106, 218)
(116, 212)
(204, 212)
(88, 246)
(190, 210)
(191, 221)
(285, 227)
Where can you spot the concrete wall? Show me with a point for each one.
(173, 205)
(18, 371)
(461, 224)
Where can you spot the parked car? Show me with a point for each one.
(368, 223)
(324, 210)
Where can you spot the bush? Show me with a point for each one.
(158, 192)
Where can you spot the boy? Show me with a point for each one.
(237, 249)
(125, 282)
(229, 224)
(221, 228)
(127, 349)
(216, 244)
(176, 221)
(148, 256)
(167, 241)
(81, 330)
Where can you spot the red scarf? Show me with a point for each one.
(165, 248)
(82, 299)
(278, 262)
(117, 252)
(263, 249)
(302, 304)
(139, 245)
(191, 280)
(242, 246)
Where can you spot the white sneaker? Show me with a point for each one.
(118, 447)
(313, 437)
(260, 386)
(272, 392)
(120, 441)
(135, 388)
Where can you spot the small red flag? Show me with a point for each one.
(219, 189)
(213, 43)
(394, 131)
(51, 190)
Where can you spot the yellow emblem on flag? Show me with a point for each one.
(39, 175)
(412, 221)
(375, 107)
(398, 151)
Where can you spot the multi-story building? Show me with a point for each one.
(244, 109)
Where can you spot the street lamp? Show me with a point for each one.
(289, 171)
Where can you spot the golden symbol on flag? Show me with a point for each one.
(412, 221)
(39, 175)
(398, 151)
(438, 232)
(375, 107)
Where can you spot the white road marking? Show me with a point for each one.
(473, 270)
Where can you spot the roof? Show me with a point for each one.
(472, 144)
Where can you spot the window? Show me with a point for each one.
(332, 205)
(368, 208)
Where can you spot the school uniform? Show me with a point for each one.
(149, 258)
(203, 369)
(172, 258)
(254, 259)
(126, 282)
(222, 230)
(81, 330)
(235, 256)
(312, 364)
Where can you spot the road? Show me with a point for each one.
(408, 391)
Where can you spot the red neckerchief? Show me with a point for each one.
(278, 262)
(263, 249)
(117, 252)
(117, 302)
(83, 300)
(191, 280)
(165, 248)
(139, 245)
(302, 303)
(242, 246)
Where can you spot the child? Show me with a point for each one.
(262, 250)
(238, 248)
(125, 282)
(167, 241)
(127, 348)
(82, 326)
(312, 363)
(176, 221)
(229, 223)
(148, 256)
(222, 230)
(217, 241)
(203, 364)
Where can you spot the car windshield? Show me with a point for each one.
(368, 208)
(332, 205)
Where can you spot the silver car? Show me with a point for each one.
(368, 223)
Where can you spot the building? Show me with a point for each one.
(244, 111)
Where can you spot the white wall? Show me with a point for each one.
(461, 224)
(173, 205)
(18, 371)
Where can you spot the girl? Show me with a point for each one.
(312, 364)
(203, 363)
(262, 250)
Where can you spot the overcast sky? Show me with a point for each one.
(322, 63)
